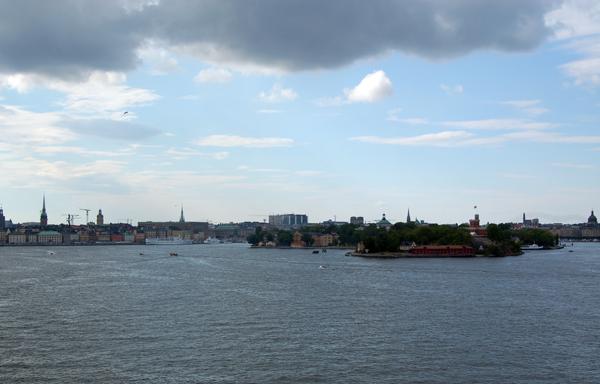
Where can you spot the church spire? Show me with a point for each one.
(181, 218)
(408, 216)
(44, 215)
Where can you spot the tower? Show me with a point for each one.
(100, 218)
(181, 218)
(523, 218)
(408, 216)
(2, 219)
(44, 215)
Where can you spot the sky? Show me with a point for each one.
(241, 109)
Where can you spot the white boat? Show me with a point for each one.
(532, 247)
(167, 241)
(212, 240)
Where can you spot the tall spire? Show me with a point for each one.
(181, 218)
(44, 215)
(408, 216)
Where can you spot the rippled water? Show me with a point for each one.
(229, 314)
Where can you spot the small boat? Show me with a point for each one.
(316, 251)
(322, 267)
(532, 247)
(50, 253)
(141, 253)
(173, 254)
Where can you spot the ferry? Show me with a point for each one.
(532, 247)
(167, 241)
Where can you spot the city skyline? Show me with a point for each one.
(450, 105)
(76, 216)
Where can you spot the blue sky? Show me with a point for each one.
(238, 130)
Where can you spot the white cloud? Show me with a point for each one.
(278, 94)
(531, 107)
(465, 138)
(247, 142)
(584, 71)
(573, 165)
(498, 124)
(445, 138)
(452, 89)
(373, 87)
(160, 61)
(575, 18)
(101, 93)
(104, 93)
(184, 153)
(578, 22)
(214, 75)
(20, 126)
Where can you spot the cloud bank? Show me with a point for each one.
(67, 39)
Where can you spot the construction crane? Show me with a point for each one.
(87, 215)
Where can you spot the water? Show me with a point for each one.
(229, 314)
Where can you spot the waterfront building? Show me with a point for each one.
(357, 220)
(32, 237)
(297, 240)
(17, 238)
(2, 219)
(592, 220)
(4, 236)
(290, 220)
(49, 237)
(325, 240)
(100, 218)
(44, 215)
(384, 223)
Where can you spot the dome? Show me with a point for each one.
(592, 219)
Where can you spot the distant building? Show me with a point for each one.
(592, 220)
(384, 223)
(297, 240)
(325, 240)
(290, 220)
(44, 215)
(49, 237)
(475, 228)
(533, 223)
(2, 219)
(357, 220)
(100, 218)
(330, 222)
(408, 217)
(17, 238)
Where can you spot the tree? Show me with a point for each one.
(308, 240)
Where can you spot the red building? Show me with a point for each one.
(442, 251)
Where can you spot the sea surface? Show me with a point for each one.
(230, 314)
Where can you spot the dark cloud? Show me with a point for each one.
(112, 129)
(68, 36)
